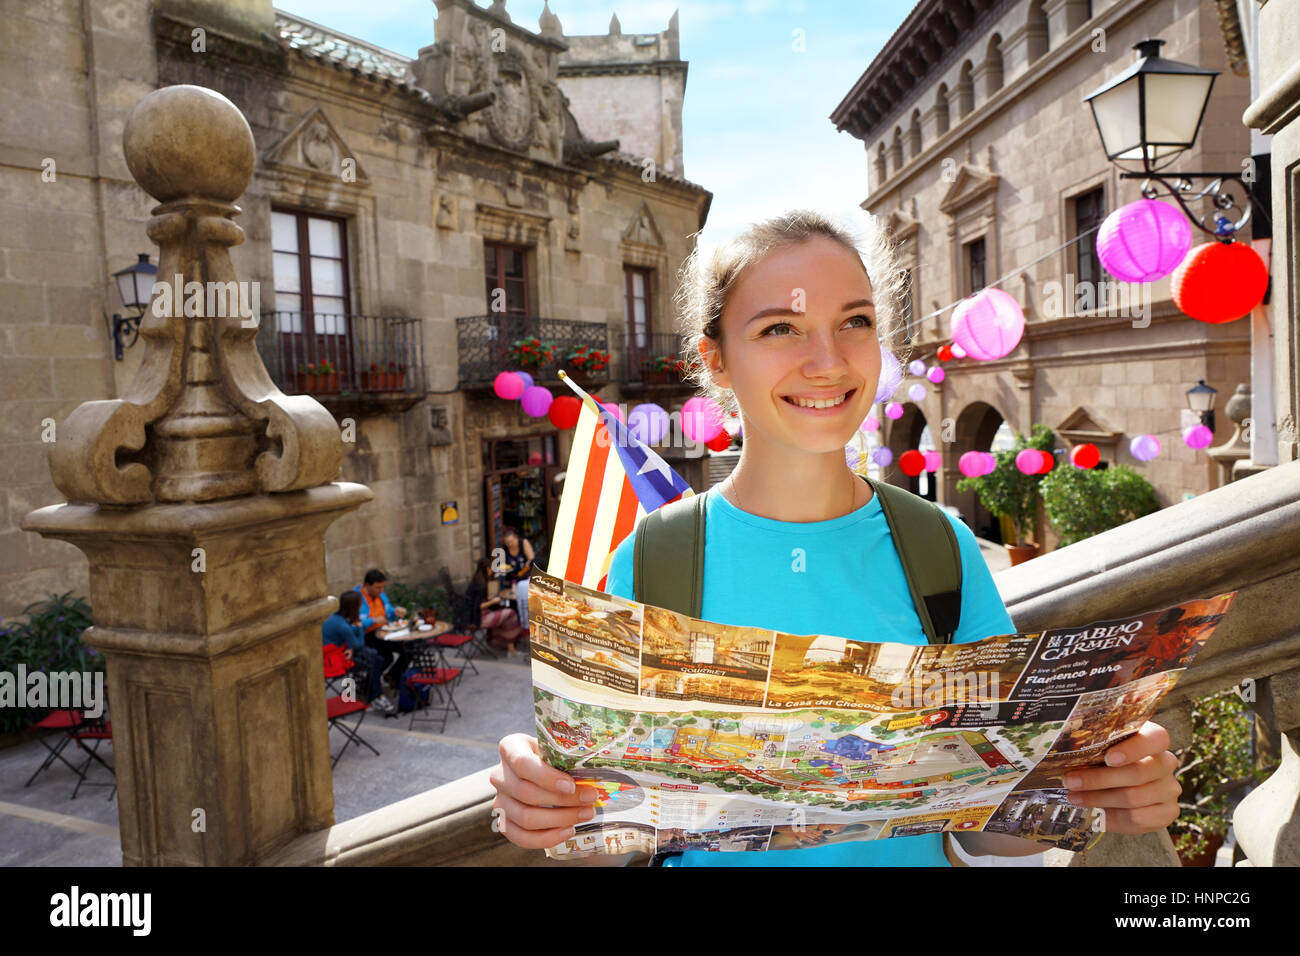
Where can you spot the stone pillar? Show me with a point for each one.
(201, 499)
(1267, 821)
(1063, 18)
(1277, 112)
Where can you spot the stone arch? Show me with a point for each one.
(1036, 36)
(974, 430)
(914, 135)
(896, 149)
(993, 65)
(965, 90)
(905, 433)
(941, 109)
(882, 164)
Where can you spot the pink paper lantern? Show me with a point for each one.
(988, 325)
(1144, 447)
(894, 410)
(536, 401)
(1143, 241)
(1198, 436)
(971, 464)
(701, 419)
(891, 376)
(508, 385)
(614, 410)
(917, 392)
(990, 462)
(870, 424)
(957, 351)
(1028, 461)
(882, 456)
(933, 460)
(935, 375)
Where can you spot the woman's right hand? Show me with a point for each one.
(541, 804)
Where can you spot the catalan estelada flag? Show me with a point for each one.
(612, 479)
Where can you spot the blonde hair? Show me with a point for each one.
(705, 283)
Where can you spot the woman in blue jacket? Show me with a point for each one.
(343, 628)
(787, 324)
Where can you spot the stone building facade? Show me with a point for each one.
(984, 163)
(407, 221)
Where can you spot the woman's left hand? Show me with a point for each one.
(1137, 789)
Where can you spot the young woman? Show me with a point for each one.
(502, 623)
(519, 559)
(343, 628)
(788, 325)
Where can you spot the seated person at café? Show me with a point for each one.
(343, 628)
(518, 567)
(376, 611)
(501, 623)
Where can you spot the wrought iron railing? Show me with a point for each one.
(654, 360)
(336, 354)
(486, 345)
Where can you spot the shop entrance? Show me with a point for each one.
(517, 478)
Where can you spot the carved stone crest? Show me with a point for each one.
(510, 119)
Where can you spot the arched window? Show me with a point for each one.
(941, 110)
(1036, 30)
(882, 166)
(965, 90)
(896, 149)
(993, 65)
(914, 136)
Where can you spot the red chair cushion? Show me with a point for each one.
(454, 640)
(336, 707)
(59, 720)
(96, 733)
(437, 675)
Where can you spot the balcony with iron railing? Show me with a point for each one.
(345, 361)
(489, 344)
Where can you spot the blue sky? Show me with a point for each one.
(756, 117)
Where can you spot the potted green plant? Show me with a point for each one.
(531, 352)
(663, 368)
(327, 378)
(587, 359)
(1081, 502)
(1008, 492)
(1215, 767)
(49, 640)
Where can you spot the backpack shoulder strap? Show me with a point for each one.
(668, 556)
(931, 558)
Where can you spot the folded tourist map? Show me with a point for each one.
(704, 736)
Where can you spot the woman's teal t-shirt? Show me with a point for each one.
(840, 577)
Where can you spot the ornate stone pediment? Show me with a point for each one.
(314, 147)
(1082, 426)
(643, 230)
(901, 225)
(972, 185)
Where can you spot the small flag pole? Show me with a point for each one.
(587, 399)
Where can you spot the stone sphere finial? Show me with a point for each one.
(189, 141)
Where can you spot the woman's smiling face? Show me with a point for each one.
(800, 325)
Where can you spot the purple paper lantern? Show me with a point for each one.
(882, 456)
(891, 376)
(894, 410)
(935, 375)
(933, 460)
(536, 400)
(916, 367)
(852, 456)
(648, 422)
(1198, 436)
(508, 385)
(988, 325)
(916, 393)
(1144, 447)
(528, 379)
(1143, 241)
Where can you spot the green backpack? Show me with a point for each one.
(669, 557)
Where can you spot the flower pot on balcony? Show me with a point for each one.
(372, 381)
(304, 383)
(1020, 553)
(326, 384)
(396, 380)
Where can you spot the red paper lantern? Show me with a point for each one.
(1049, 462)
(912, 462)
(1220, 282)
(719, 442)
(1085, 456)
(945, 353)
(564, 411)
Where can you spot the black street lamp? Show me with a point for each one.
(1200, 399)
(1147, 116)
(134, 288)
